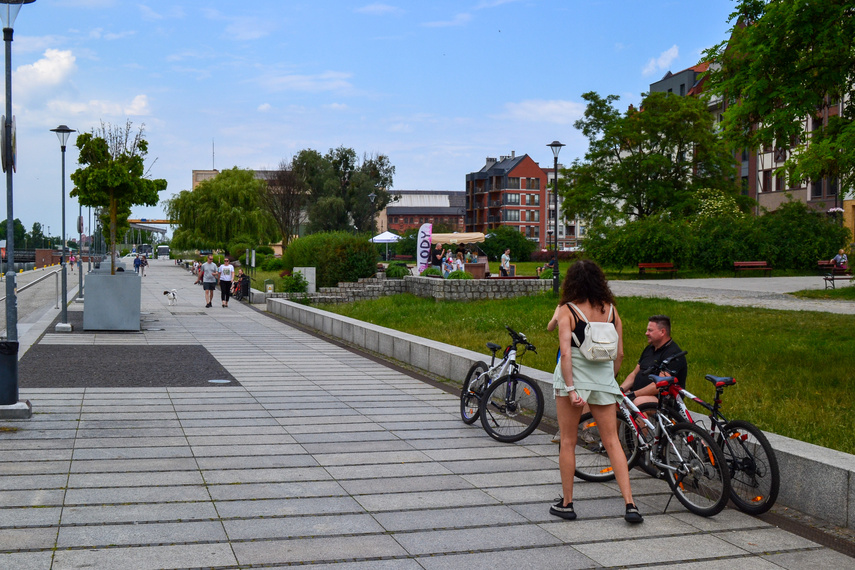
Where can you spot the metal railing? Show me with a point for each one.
(39, 280)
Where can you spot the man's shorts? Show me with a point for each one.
(209, 286)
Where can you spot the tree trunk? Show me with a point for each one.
(113, 215)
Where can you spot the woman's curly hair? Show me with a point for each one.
(585, 281)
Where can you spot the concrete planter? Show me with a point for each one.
(112, 302)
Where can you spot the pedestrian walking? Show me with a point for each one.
(227, 273)
(209, 275)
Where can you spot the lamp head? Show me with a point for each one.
(556, 148)
(62, 133)
(9, 11)
(372, 197)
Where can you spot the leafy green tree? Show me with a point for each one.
(340, 188)
(284, 196)
(504, 237)
(19, 234)
(784, 62)
(224, 210)
(37, 235)
(113, 175)
(645, 162)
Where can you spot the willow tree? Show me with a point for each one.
(223, 210)
(113, 177)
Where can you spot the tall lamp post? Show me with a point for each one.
(62, 133)
(556, 148)
(9, 349)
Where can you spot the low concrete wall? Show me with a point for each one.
(814, 480)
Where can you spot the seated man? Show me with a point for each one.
(549, 265)
(660, 346)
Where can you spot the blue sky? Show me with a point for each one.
(437, 86)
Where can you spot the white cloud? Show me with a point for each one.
(264, 107)
(150, 14)
(336, 106)
(541, 111)
(97, 108)
(493, 3)
(326, 81)
(458, 20)
(40, 78)
(663, 62)
(378, 9)
(244, 29)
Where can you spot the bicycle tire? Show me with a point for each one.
(592, 461)
(470, 394)
(511, 408)
(700, 481)
(640, 459)
(754, 476)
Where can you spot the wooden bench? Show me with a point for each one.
(643, 268)
(833, 273)
(752, 266)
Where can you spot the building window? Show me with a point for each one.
(513, 183)
(512, 199)
(745, 186)
(767, 181)
(832, 187)
(534, 199)
(682, 89)
(510, 215)
(533, 184)
(780, 185)
(816, 190)
(534, 215)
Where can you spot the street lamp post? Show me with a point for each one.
(9, 349)
(556, 148)
(62, 133)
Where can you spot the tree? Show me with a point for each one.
(340, 188)
(113, 176)
(224, 210)
(784, 63)
(37, 235)
(284, 196)
(20, 231)
(645, 162)
(503, 237)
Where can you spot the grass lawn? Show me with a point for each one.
(843, 290)
(794, 369)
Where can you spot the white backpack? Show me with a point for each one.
(601, 339)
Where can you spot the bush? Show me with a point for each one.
(295, 283)
(273, 264)
(459, 275)
(265, 249)
(650, 240)
(431, 271)
(397, 271)
(338, 257)
(546, 273)
(505, 237)
(545, 256)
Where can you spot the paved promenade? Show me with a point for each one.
(310, 454)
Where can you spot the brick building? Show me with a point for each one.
(509, 191)
(412, 208)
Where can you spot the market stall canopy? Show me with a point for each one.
(386, 237)
(470, 237)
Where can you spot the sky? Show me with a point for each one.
(437, 86)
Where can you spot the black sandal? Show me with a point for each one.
(632, 515)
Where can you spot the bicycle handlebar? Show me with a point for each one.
(519, 338)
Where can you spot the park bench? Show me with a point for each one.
(752, 266)
(643, 268)
(833, 273)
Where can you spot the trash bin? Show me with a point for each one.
(244, 287)
(9, 368)
(268, 285)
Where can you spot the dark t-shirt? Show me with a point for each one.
(651, 358)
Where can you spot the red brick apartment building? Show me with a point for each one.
(510, 191)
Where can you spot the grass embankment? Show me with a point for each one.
(794, 369)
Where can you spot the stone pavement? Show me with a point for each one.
(313, 455)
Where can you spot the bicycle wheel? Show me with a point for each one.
(699, 477)
(511, 408)
(592, 461)
(754, 475)
(470, 394)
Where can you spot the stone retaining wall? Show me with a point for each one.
(814, 480)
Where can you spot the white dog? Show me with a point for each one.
(172, 296)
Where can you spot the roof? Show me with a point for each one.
(494, 167)
(429, 199)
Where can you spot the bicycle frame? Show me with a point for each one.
(650, 447)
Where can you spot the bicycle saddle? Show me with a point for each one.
(493, 346)
(721, 380)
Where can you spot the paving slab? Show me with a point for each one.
(312, 455)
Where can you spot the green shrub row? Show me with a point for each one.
(792, 237)
(337, 257)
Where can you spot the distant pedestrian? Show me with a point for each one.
(505, 267)
(143, 264)
(137, 263)
(209, 275)
(198, 275)
(72, 260)
(227, 273)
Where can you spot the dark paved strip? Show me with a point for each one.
(119, 366)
